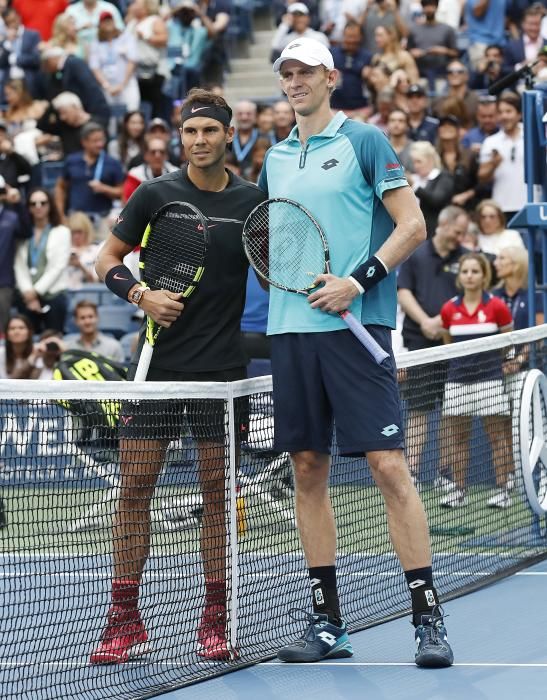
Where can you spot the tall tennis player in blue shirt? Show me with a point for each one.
(349, 177)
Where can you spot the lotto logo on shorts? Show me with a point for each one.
(390, 430)
(430, 598)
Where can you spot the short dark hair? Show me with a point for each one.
(90, 128)
(533, 10)
(511, 98)
(400, 110)
(206, 97)
(494, 46)
(85, 304)
(352, 24)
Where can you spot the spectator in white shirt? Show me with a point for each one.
(335, 14)
(294, 25)
(493, 236)
(84, 251)
(502, 157)
(41, 264)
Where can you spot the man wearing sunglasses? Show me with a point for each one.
(457, 77)
(155, 164)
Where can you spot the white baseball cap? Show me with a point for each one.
(308, 51)
(298, 7)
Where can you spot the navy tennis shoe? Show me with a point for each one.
(321, 640)
(432, 647)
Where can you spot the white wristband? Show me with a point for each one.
(356, 283)
(386, 268)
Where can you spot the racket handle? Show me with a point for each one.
(364, 337)
(144, 362)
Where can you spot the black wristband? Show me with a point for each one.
(120, 280)
(370, 273)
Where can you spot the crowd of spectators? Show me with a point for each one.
(90, 95)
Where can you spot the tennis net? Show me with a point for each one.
(475, 414)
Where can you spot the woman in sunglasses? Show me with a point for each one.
(41, 264)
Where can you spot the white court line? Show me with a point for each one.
(478, 664)
(255, 555)
(252, 574)
(327, 664)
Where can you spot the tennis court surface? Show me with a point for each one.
(499, 652)
(59, 479)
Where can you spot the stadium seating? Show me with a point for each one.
(96, 292)
(51, 170)
(117, 320)
(126, 342)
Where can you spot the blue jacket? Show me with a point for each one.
(513, 53)
(28, 56)
(12, 228)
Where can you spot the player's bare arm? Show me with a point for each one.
(337, 293)
(162, 306)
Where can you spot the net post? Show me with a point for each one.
(231, 521)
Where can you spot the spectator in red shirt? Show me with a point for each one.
(475, 387)
(40, 14)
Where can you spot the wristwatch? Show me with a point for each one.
(137, 294)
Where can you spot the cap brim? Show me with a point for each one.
(308, 62)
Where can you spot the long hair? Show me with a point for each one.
(54, 215)
(19, 86)
(123, 138)
(59, 33)
(27, 349)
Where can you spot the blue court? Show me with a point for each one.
(498, 636)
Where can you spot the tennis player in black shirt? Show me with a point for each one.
(200, 341)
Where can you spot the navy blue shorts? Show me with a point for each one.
(321, 378)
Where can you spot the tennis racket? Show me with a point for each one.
(172, 257)
(287, 247)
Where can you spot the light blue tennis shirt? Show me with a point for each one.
(340, 177)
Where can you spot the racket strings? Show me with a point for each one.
(285, 246)
(175, 252)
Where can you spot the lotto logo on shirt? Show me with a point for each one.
(392, 167)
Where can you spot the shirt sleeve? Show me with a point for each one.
(486, 151)
(65, 173)
(116, 172)
(131, 48)
(379, 162)
(406, 279)
(446, 315)
(263, 177)
(502, 313)
(134, 217)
